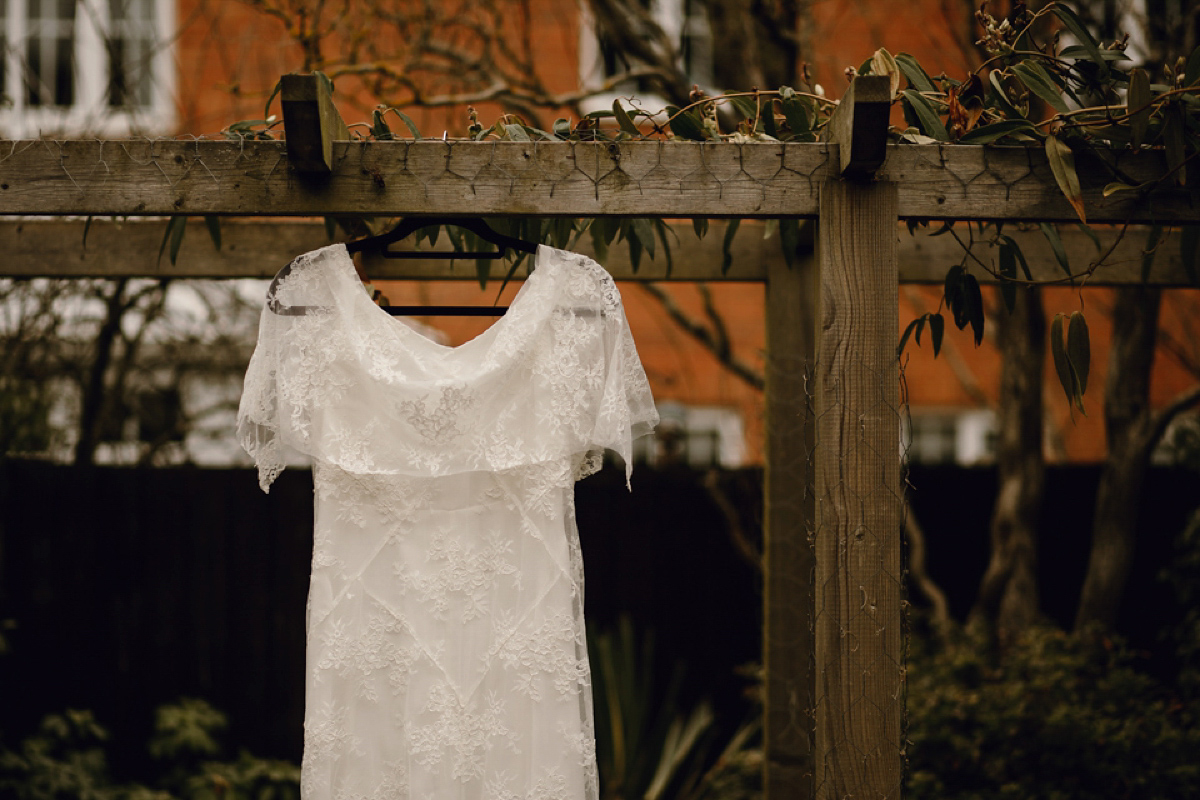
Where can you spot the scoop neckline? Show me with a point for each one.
(489, 332)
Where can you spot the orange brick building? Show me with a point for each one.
(227, 56)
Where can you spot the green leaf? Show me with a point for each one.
(789, 239)
(937, 328)
(274, 93)
(1150, 250)
(927, 118)
(884, 63)
(1189, 244)
(1008, 270)
(87, 226)
(912, 326)
(483, 271)
(623, 120)
(685, 125)
(516, 133)
(663, 230)
(795, 114)
(986, 134)
(1062, 363)
(1001, 97)
(1091, 234)
(727, 244)
(538, 133)
(412, 126)
(644, 231)
(175, 228)
(1079, 349)
(1040, 83)
(1175, 143)
(379, 127)
(1060, 253)
(766, 117)
(700, 226)
(1083, 35)
(974, 303)
(635, 250)
(1116, 186)
(1137, 104)
(745, 106)
(965, 300)
(1062, 164)
(1079, 51)
(1191, 72)
(213, 223)
(917, 77)
(599, 240)
(1016, 251)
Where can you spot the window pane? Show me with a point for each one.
(3, 50)
(130, 51)
(50, 53)
(64, 71)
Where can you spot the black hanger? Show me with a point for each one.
(410, 225)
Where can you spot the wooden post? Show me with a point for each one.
(859, 126)
(859, 638)
(788, 559)
(311, 121)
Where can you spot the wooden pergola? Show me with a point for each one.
(833, 643)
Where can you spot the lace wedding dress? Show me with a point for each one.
(446, 653)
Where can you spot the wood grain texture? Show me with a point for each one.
(545, 179)
(859, 638)
(257, 248)
(789, 560)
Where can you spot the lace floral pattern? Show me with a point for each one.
(446, 652)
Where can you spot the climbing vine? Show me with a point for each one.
(1046, 82)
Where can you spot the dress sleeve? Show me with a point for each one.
(275, 409)
(626, 409)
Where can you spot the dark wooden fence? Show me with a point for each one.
(131, 588)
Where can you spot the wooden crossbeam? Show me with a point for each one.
(254, 248)
(546, 179)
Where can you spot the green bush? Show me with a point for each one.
(1058, 716)
(65, 759)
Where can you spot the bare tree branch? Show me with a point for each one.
(707, 338)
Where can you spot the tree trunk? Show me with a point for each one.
(92, 406)
(1008, 594)
(1132, 434)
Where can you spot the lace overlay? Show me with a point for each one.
(446, 651)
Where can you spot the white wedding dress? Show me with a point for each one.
(446, 652)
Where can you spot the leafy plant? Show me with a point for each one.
(65, 759)
(648, 746)
(1057, 716)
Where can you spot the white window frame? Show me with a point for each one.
(669, 14)
(90, 113)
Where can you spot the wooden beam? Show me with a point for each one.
(859, 126)
(257, 248)
(859, 638)
(788, 557)
(546, 179)
(311, 123)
